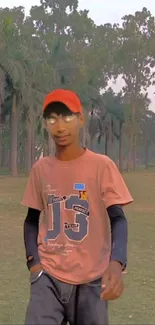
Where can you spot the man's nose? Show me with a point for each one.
(60, 125)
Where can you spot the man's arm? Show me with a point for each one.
(119, 231)
(31, 229)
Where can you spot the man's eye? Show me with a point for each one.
(68, 118)
(51, 120)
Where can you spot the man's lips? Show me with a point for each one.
(62, 137)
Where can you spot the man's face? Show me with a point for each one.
(64, 126)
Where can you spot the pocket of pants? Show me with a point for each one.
(35, 276)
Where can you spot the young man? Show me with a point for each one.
(79, 195)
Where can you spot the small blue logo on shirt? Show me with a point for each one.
(79, 187)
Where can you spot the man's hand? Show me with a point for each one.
(36, 268)
(112, 282)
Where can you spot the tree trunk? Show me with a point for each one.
(33, 144)
(14, 136)
(106, 144)
(5, 154)
(121, 146)
(28, 153)
(134, 152)
(131, 139)
(45, 147)
(110, 141)
(130, 148)
(146, 155)
(91, 143)
(22, 158)
(83, 137)
(1, 136)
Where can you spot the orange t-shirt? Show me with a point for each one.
(74, 241)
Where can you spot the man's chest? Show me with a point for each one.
(67, 182)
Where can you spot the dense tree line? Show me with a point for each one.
(59, 46)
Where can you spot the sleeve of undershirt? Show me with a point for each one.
(32, 197)
(119, 231)
(113, 188)
(31, 229)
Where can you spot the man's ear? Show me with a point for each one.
(45, 125)
(82, 120)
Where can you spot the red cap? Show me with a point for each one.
(67, 97)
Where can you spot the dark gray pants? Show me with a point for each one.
(53, 302)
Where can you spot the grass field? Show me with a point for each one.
(137, 304)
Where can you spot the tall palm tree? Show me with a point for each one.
(14, 67)
(147, 133)
(106, 121)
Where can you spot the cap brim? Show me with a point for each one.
(69, 105)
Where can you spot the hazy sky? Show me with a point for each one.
(101, 11)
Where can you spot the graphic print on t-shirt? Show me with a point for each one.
(74, 230)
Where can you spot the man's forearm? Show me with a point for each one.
(119, 231)
(31, 229)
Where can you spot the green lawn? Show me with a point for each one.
(137, 304)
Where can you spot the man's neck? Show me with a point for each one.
(69, 153)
